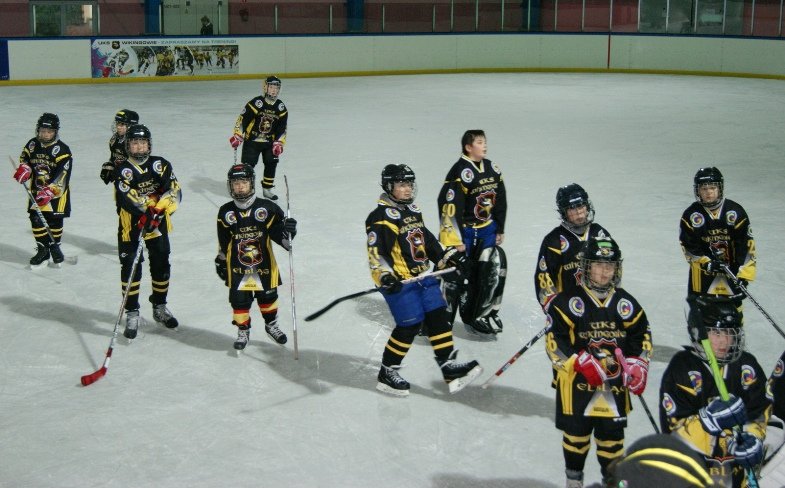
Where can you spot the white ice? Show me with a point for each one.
(179, 409)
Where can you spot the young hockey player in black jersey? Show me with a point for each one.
(473, 209)
(592, 389)
(261, 129)
(557, 264)
(147, 194)
(401, 247)
(123, 119)
(715, 231)
(47, 162)
(690, 403)
(773, 471)
(245, 262)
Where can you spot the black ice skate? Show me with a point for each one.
(275, 333)
(57, 254)
(574, 479)
(243, 337)
(458, 375)
(41, 257)
(490, 324)
(391, 382)
(163, 316)
(131, 324)
(268, 194)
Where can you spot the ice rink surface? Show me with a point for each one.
(179, 409)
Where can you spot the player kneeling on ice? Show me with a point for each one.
(400, 247)
(245, 260)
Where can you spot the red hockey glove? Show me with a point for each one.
(22, 173)
(150, 220)
(590, 368)
(44, 196)
(277, 148)
(235, 140)
(637, 373)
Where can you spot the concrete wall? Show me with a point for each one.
(69, 59)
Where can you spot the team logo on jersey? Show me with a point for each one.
(371, 238)
(260, 214)
(485, 202)
(496, 168)
(731, 217)
(266, 125)
(158, 167)
(393, 213)
(126, 174)
(230, 217)
(55, 150)
(576, 306)
(416, 241)
(697, 219)
(770, 390)
(749, 231)
(542, 264)
(625, 308)
(450, 196)
(696, 380)
(281, 107)
(778, 369)
(748, 376)
(258, 103)
(31, 146)
(249, 252)
(564, 244)
(668, 404)
(123, 187)
(467, 175)
(414, 208)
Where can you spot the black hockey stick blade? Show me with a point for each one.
(335, 302)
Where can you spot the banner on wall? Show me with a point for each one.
(123, 58)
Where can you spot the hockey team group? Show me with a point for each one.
(716, 402)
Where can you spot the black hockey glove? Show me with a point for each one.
(290, 227)
(456, 259)
(220, 268)
(107, 172)
(736, 289)
(713, 267)
(390, 283)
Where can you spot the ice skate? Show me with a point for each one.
(458, 375)
(275, 333)
(56, 253)
(164, 316)
(41, 257)
(131, 324)
(268, 193)
(490, 325)
(574, 479)
(391, 382)
(243, 337)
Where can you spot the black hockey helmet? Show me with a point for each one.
(721, 315)
(240, 172)
(47, 121)
(126, 116)
(707, 176)
(660, 460)
(393, 173)
(574, 196)
(136, 132)
(600, 250)
(272, 80)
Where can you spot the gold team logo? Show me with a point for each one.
(260, 214)
(731, 217)
(625, 308)
(249, 252)
(266, 126)
(485, 202)
(564, 244)
(668, 404)
(696, 380)
(697, 220)
(577, 306)
(416, 242)
(748, 376)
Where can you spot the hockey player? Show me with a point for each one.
(47, 162)
(473, 208)
(123, 119)
(245, 260)
(558, 264)
(690, 403)
(261, 129)
(773, 472)
(592, 390)
(715, 231)
(401, 247)
(147, 193)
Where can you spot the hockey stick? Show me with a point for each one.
(335, 302)
(91, 378)
(40, 214)
(624, 366)
(291, 274)
(515, 357)
(738, 284)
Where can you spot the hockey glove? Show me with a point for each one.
(107, 172)
(638, 373)
(220, 268)
(150, 220)
(747, 449)
(44, 196)
(719, 415)
(290, 227)
(590, 368)
(736, 289)
(390, 283)
(277, 148)
(235, 140)
(22, 173)
(453, 257)
(713, 267)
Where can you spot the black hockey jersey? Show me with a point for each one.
(726, 230)
(557, 266)
(52, 165)
(261, 121)
(473, 195)
(398, 241)
(245, 236)
(775, 389)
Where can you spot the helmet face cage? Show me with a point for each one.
(600, 250)
(240, 172)
(720, 317)
(707, 176)
(272, 83)
(393, 173)
(574, 196)
(137, 132)
(47, 121)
